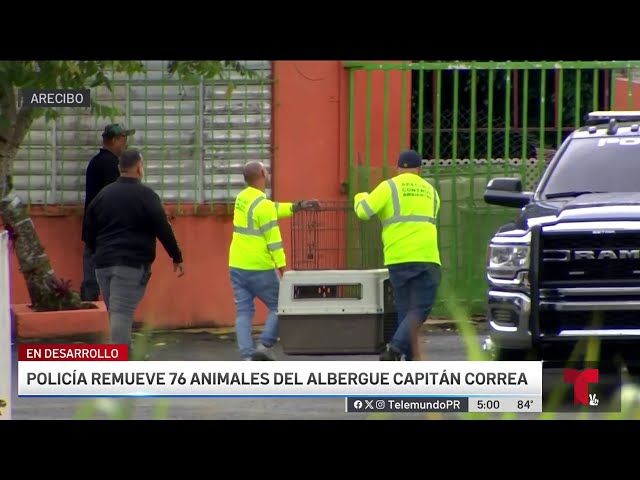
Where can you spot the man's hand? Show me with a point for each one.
(179, 268)
(282, 270)
(306, 205)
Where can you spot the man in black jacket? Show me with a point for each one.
(101, 171)
(122, 224)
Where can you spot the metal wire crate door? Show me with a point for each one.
(333, 238)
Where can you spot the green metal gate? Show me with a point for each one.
(471, 122)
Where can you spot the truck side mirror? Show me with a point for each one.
(506, 192)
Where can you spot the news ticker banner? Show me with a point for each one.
(439, 386)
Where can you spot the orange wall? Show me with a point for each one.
(374, 82)
(622, 95)
(310, 161)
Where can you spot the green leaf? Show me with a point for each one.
(229, 93)
(51, 114)
(100, 110)
(73, 68)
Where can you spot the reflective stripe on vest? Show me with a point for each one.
(365, 206)
(397, 218)
(249, 230)
(258, 232)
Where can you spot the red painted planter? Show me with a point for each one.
(29, 324)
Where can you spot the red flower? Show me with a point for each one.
(61, 287)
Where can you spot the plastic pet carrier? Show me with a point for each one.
(337, 298)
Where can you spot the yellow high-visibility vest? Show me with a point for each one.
(256, 243)
(407, 206)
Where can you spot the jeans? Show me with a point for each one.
(122, 289)
(247, 285)
(89, 289)
(415, 286)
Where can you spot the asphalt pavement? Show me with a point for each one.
(440, 343)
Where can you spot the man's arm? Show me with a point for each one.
(367, 205)
(267, 222)
(287, 209)
(99, 175)
(162, 226)
(90, 232)
(284, 209)
(110, 173)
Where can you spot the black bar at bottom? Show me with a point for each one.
(407, 404)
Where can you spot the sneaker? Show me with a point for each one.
(264, 353)
(390, 355)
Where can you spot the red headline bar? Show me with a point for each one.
(82, 353)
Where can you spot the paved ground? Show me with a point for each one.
(439, 343)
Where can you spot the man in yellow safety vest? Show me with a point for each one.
(256, 255)
(407, 206)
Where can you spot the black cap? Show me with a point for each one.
(410, 159)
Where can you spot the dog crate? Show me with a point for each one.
(324, 312)
(337, 299)
(333, 238)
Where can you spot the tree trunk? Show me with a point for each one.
(46, 290)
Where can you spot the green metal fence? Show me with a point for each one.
(471, 122)
(195, 137)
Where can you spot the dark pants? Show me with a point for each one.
(415, 286)
(89, 290)
(122, 289)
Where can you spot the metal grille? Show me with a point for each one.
(333, 238)
(472, 121)
(195, 137)
(552, 322)
(588, 241)
(602, 271)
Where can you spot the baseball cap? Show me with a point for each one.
(116, 130)
(409, 159)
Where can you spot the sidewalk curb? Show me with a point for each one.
(431, 324)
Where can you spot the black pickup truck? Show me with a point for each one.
(568, 267)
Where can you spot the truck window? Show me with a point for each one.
(607, 164)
